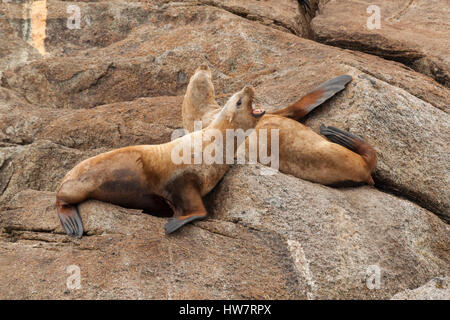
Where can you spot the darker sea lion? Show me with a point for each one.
(342, 160)
(148, 177)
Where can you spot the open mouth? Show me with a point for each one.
(258, 112)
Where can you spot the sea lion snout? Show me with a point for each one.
(258, 112)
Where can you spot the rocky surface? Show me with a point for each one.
(152, 61)
(125, 254)
(119, 80)
(141, 121)
(436, 289)
(414, 32)
(16, 51)
(335, 235)
(262, 248)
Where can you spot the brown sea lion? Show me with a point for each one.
(147, 176)
(343, 159)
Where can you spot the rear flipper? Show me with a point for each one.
(352, 142)
(176, 223)
(314, 98)
(70, 219)
(344, 138)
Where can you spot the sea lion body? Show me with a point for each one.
(309, 156)
(137, 176)
(158, 178)
(302, 152)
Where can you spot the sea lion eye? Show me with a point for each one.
(239, 103)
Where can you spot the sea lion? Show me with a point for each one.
(343, 159)
(340, 159)
(147, 177)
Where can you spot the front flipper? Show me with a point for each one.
(314, 98)
(188, 201)
(70, 219)
(176, 223)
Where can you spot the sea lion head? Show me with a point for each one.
(200, 85)
(240, 109)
